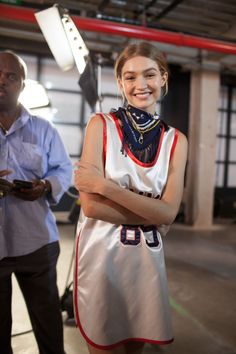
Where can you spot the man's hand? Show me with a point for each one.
(5, 173)
(37, 191)
(5, 187)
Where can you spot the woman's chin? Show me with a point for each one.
(150, 108)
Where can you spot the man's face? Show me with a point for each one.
(11, 81)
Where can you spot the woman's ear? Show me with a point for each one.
(120, 89)
(120, 86)
(164, 79)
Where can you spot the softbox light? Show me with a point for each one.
(63, 38)
(68, 48)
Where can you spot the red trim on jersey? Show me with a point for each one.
(78, 323)
(174, 143)
(75, 297)
(143, 164)
(104, 139)
(107, 347)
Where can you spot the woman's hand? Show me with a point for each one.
(88, 178)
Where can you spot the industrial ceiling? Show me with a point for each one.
(189, 32)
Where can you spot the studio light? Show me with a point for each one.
(69, 49)
(63, 38)
(34, 95)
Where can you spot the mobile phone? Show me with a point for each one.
(20, 184)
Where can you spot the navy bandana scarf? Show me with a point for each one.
(141, 132)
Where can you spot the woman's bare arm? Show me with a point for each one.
(94, 205)
(153, 211)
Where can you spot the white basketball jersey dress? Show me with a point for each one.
(120, 286)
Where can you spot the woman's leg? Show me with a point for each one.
(118, 350)
(134, 347)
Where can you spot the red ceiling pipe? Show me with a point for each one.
(140, 32)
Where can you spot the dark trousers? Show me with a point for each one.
(36, 275)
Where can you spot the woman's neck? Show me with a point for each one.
(151, 111)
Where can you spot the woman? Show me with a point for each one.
(130, 180)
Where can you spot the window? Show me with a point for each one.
(226, 136)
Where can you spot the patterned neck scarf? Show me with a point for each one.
(141, 132)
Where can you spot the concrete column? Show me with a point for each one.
(200, 184)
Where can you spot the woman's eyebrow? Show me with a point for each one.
(134, 72)
(149, 69)
(128, 72)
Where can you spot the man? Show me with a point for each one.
(31, 150)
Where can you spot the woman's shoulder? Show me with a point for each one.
(97, 121)
(180, 135)
(181, 142)
(99, 118)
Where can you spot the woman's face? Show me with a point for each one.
(141, 82)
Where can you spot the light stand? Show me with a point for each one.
(99, 83)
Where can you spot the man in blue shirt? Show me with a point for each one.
(30, 150)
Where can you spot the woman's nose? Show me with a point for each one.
(141, 83)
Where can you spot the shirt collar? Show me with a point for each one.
(21, 120)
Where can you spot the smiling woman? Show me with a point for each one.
(130, 179)
(142, 87)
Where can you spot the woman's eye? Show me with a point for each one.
(150, 75)
(129, 78)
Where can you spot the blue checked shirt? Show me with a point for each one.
(32, 149)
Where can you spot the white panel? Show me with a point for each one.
(221, 123)
(233, 124)
(219, 175)
(220, 149)
(66, 105)
(223, 97)
(72, 138)
(232, 150)
(234, 100)
(111, 102)
(108, 82)
(87, 112)
(31, 63)
(232, 176)
(53, 77)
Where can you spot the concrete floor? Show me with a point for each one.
(201, 268)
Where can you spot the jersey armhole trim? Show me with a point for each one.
(104, 153)
(174, 143)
